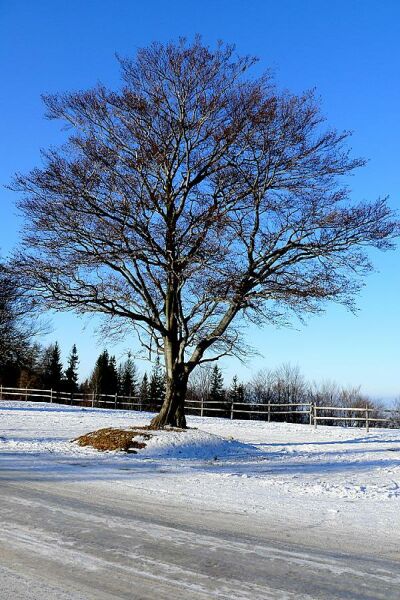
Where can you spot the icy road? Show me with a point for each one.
(78, 525)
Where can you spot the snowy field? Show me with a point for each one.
(333, 487)
(324, 475)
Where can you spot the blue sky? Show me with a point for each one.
(348, 50)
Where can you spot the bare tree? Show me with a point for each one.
(200, 383)
(291, 388)
(18, 327)
(262, 386)
(326, 393)
(395, 415)
(190, 197)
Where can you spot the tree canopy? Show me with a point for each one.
(191, 196)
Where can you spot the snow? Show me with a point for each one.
(226, 509)
(343, 478)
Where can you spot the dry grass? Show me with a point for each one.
(112, 438)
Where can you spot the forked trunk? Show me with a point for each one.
(172, 412)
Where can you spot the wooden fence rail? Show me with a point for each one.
(307, 412)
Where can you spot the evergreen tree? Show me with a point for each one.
(157, 384)
(233, 390)
(144, 391)
(71, 372)
(217, 392)
(128, 378)
(52, 367)
(104, 379)
(112, 376)
(120, 378)
(236, 391)
(241, 393)
(98, 374)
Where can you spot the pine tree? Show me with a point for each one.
(104, 379)
(71, 372)
(128, 381)
(144, 391)
(237, 391)
(241, 393)
(120, 379)
(98, 380)
(157, 384)
(52, 367)
(233, 390)
(112, 376)
(217, 392)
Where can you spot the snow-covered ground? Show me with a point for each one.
(331, 490)
(330, 476)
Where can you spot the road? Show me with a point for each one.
(71, 541)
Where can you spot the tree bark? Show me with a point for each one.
(172, 412)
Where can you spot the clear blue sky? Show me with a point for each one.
(348, 49)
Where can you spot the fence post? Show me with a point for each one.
(232, 410)
(269, 411)
(116, 400)
(51, 395)
(311, 412)
(1, 392)
(202, 407)
(366, 419)
(315, 416)
(92, 399)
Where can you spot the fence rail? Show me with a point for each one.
(301, 412)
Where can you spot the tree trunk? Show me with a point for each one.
(172, 412)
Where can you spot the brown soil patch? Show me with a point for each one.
(112, 438)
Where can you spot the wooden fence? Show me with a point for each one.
(79, 399)
(302, 412)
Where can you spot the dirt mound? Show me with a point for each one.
(112, 438)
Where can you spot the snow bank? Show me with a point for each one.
(193, 444)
